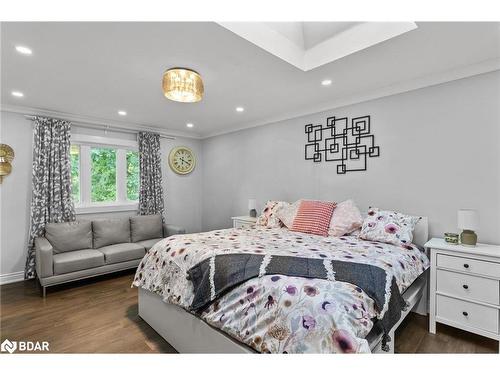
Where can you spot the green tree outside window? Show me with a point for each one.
(103, 175)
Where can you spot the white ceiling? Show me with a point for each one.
(96, 69)
(317, 32)
(308, 45)
(306, 35)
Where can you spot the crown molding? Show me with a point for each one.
(33, 111)
(399, 88)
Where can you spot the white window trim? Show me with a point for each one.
(122, 146)
(104, 141)
(106, 207)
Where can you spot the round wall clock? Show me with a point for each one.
(181, 160)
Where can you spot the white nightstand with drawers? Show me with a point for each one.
(243, 221)
(465, 287)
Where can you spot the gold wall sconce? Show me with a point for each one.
(6, 157)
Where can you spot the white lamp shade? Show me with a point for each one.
(251, 204)
(468, 219)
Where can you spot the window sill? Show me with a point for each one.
(109, 207)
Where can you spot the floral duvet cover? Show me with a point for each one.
(276, 313)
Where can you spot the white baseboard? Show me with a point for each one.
(11, 277)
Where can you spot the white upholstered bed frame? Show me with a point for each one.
(189, 334)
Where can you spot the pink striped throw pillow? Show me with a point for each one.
(313, 217)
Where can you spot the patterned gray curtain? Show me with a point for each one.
(151, 191)
(51, 181)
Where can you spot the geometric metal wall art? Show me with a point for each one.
(349, 146)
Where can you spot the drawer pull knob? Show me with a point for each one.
(465, 313)
(465, 286)
(466, 265)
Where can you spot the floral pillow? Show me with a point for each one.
(389, 227)
(287, 213)
(268, 218)
(346, 218)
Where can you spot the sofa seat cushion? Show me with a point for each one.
(73, 235)
(77, 260)
(122, 252)
(146, 227)
(148, 244)
(110, 231)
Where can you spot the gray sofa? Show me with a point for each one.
(81, 249)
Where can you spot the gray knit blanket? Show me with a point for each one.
(217, 275)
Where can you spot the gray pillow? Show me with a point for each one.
(110, 231)
(73, 235)
(146, 227)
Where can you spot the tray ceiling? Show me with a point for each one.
(307, 45)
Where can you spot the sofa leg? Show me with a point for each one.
(44, 291)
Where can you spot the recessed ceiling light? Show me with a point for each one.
(18, 94)
(189, 125)
(122, 113)
(24, 50)
(240, 109)
(326, 82)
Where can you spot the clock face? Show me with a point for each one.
(181, 160)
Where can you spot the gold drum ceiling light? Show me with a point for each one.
(182, 85)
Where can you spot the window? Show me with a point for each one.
(75, 173)
(104, 174)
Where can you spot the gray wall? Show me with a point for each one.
(439, 152)
(182, 193)
(15, 193)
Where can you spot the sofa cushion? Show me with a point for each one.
(148, 244)
(146, 227)
(122, 252)
(73, 235)
(110, 231)
(77, 260)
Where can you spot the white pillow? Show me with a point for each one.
(346, 218)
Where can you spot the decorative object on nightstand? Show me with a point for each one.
(465, 287)
(451, 238)
(251, 207)
(468, 222)
(243, 221)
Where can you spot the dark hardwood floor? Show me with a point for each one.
(100, 316)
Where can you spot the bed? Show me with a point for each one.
(273, 312)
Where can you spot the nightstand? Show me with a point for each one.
(465, 287)
(243, 221)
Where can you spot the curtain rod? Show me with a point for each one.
(120, 129)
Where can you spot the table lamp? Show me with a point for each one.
(468, 222)
(251, 207)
